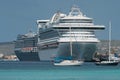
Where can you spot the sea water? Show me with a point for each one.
(47, 71)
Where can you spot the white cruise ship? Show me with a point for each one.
(55, 34)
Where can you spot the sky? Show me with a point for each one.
(19, 16)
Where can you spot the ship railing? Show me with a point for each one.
(78, 40)
(48, 40)
(76, 24)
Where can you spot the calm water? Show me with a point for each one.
(46, 71)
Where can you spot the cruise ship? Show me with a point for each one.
(26, 47)
(55, 35)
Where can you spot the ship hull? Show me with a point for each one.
(82, 51)
(48, 54)
(27, 56)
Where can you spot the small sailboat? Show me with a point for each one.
(109, 61)
(69, 62)
(112, 63)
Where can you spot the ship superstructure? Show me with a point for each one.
(26, 47)
(54, 36)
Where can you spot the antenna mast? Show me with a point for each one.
(109, 39)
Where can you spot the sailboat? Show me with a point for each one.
(70, 62)
(109, 61)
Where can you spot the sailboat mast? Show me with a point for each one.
(109, 39)
(70, 41)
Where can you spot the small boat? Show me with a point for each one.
(110, 61)
(69, 63)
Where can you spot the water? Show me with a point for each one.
(47, 71)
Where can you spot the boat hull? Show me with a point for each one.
(48, 54)
(69, 63)
(82, 51)
(107, 63)
(27, 56)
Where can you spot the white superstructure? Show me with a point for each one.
(82, 27)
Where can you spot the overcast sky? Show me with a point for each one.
(19, 16)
